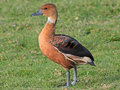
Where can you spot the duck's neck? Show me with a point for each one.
(49, 29)
(53, 18)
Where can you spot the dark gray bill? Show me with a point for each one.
(37, 13)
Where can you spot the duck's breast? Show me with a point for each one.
(53, 53)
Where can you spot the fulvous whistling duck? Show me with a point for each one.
(59, 48)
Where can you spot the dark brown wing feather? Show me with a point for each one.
(69, 45)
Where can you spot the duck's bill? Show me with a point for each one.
(37, 13)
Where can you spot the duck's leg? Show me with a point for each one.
(75, 76)
(68, 78)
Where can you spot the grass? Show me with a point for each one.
(94, 23)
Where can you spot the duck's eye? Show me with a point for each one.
(45, 8)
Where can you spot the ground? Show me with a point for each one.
(94, 23)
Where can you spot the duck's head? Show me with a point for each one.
(48, 10)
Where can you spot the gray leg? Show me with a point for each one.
(75, 76)
(68, 78)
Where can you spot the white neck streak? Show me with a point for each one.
(50, 20)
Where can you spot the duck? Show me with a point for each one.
(61, 49)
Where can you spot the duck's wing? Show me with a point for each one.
(71, 48)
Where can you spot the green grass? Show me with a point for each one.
(94, 23)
